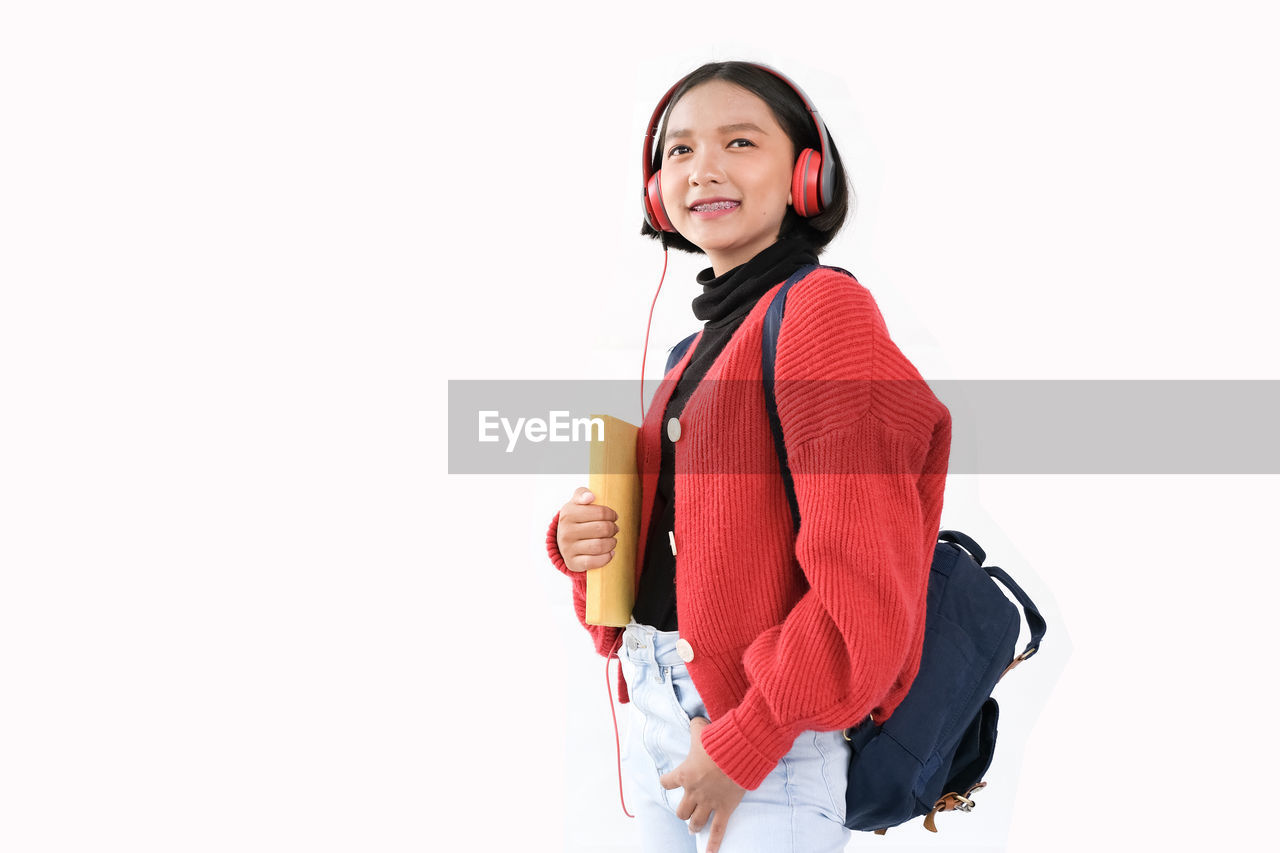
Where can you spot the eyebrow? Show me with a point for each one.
(724, 128)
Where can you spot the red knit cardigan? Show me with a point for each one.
(812, 631)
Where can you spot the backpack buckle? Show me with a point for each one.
(952, 801)
(869, 721)
(1019, 659)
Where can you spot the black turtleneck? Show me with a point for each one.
(724, 304)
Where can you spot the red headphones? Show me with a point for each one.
(812, 181)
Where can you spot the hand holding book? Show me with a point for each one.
(600, 538)
(586, 534)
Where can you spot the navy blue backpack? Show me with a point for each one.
(931, 755)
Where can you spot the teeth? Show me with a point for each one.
(718, 205)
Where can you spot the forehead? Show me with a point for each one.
(718, 102)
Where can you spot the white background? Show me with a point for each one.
(243, 247)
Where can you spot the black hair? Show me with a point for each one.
(796, 120)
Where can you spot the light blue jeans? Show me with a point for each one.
(799, 808)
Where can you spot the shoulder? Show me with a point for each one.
(831, 288)
(836, 361)
(831, 328)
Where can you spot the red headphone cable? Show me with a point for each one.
(644, 353)
(617, 741)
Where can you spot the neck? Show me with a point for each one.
(731, 293)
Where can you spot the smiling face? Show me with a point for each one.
(726, 172)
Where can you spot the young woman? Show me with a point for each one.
(754, 644)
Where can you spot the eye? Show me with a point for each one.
(744, 143)
(677, 149)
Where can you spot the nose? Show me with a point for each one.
(706, 168)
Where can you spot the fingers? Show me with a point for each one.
(587, 532)
(699, 818)
(596, 530)
(718, 824)
(582, 507)
(591, 547)
(575, 514)
(582, 496)
(584, 554)
(668, 781)
(687, 807)
(586, 564)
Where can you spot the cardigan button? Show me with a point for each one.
(673, 429)
(684, 650)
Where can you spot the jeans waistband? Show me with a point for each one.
(646, 644)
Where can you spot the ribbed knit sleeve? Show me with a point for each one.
(867, 443)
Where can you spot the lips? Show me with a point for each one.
(713, 208)
(711, 205)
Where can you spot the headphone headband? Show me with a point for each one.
(814, 182)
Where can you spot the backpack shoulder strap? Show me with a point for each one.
(677, 353)
(768, 364)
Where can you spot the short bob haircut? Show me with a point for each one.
(796, 121)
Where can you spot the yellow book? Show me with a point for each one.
(611, 589)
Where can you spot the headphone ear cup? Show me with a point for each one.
(806, 196)
(655, 210)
